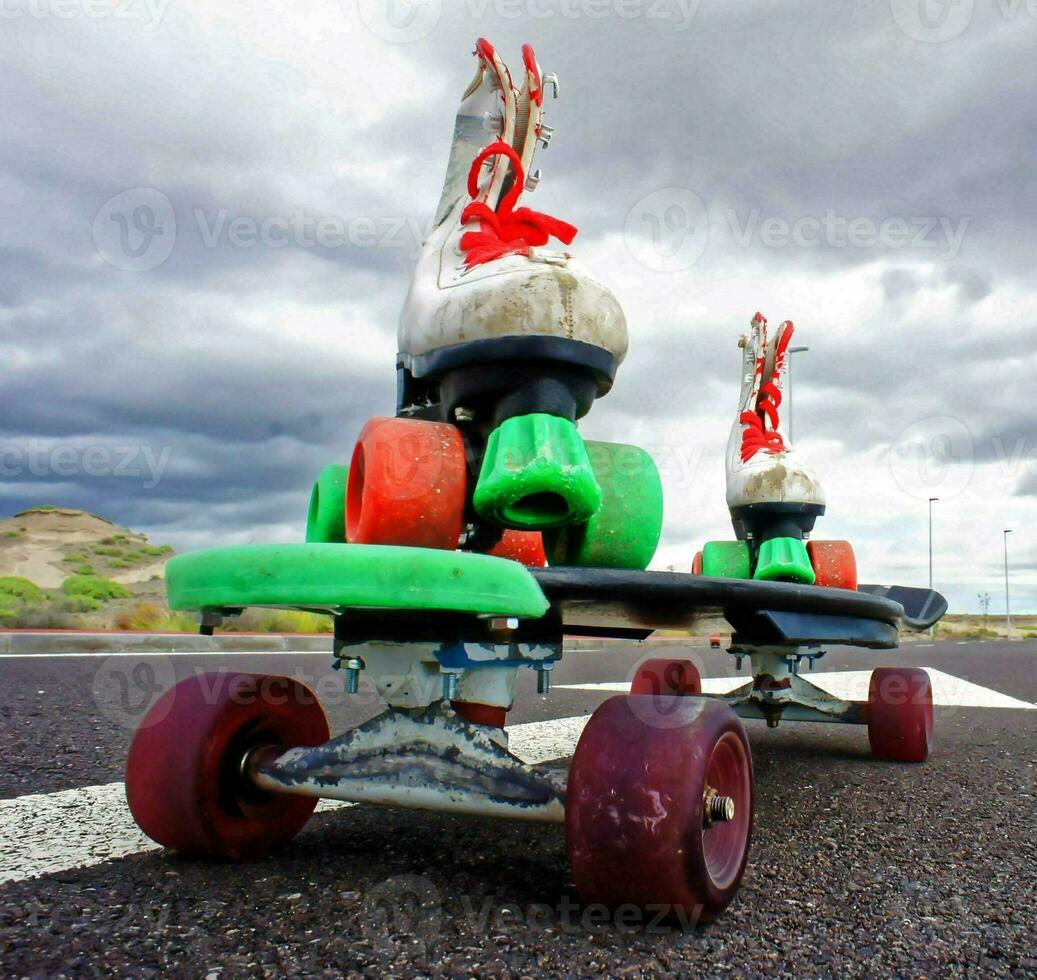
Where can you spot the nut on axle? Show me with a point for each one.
(716, 808)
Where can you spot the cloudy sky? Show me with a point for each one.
(211, 211)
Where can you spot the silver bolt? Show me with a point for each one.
(450, 686)
(463, 414)
(721, 809)
(544, 679)
(353, 666)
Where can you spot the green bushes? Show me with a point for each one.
(147, 616)
(278, 621)
(108, 551)
(24, 605)
(16, 587)
(94, 587)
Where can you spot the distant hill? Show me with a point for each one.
(61, 567)
(48, 544)
(69, 569)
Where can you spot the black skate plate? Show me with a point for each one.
(632, 604)
(923, 608)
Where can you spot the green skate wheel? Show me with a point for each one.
(726, 559)
(784, 560)
(535, 475)
(326, 520)
(624, 533)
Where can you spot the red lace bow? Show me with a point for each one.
(756, 437)
(506, 231)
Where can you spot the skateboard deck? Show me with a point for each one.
(406, 592)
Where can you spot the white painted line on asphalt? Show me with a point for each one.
(710, 685)
(139, 654)
(51, 832)
(543, 741)
(47, 833)
(852, 685)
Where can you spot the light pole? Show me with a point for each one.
(788, 383)
(1008, 610)
(932, 500)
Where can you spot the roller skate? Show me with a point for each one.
(505, 341)
(773, 497)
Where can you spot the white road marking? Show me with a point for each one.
(47, 833)
(543, 741)
(139, 654)
(852, 685)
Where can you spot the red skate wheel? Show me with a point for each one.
(900, 714)
(184, 782)
(834, 564)
(696, 564)
(526, 547)
(481, 714)
(662, 676)
(406, 484)
(659, 808)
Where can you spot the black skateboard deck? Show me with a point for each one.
(608, 602)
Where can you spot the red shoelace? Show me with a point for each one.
(756, 437)
(506, 231)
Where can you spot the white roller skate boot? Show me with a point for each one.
(773, 497)
(507, 339)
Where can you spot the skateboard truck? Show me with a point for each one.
(426, 758)
(778, 690)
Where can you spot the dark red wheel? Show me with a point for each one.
(834, 564)
(659, 807)
(184, 780)
(406, 484)
(900, 714)
(526, 547)
(491, 715)
(663, 676)
(696, 564)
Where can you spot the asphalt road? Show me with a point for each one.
(858, 867)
